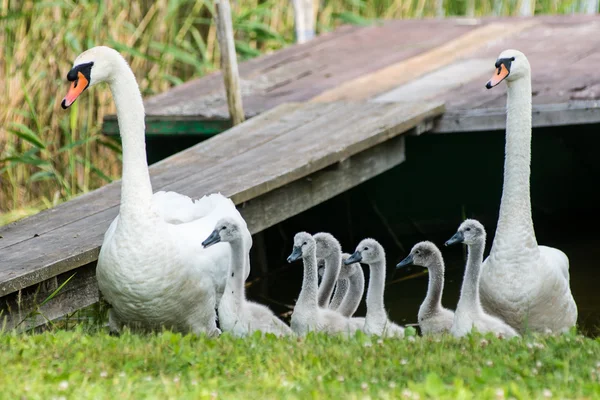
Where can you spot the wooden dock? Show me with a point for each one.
(447, 60)
(324, 117)
(273, 167)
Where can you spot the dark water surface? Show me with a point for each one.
(445, 179)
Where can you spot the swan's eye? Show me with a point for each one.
(418, 252)
(304, 244)
(223, 228)
(468, 229)
(366, 248)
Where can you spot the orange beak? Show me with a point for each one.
(501, 74)
(77, 87)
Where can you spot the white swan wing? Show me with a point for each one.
(190, 222)
(556, 260)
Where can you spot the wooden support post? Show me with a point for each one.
(229, 61)
(470, 12)
(589, 6)
(304, 18)
(526, 8)
(440, 12)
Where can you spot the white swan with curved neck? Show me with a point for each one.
(525, 284)
(236, 314)
(307, 315)
(152, 268)
(469, 314)
(369, 251)
(432, 317)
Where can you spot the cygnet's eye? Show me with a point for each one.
(223, 228)
(417, 251)
(304, 244)
(468, 229)
(365, 249)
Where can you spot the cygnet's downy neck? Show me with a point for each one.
(433, 300)
(515, 224)
(235, 281)
(308, 294)
(332, 271)
(341, 288)
(136, 190)
(469, 294)
(375, 306)
(356, 287)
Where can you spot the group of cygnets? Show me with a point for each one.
(161, 264)
(317, 310)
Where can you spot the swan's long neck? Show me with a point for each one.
(341, 290)
(356, 287)
(433, 300)
(136, 190)
(332, 271)
(308, 294)
(515, 225)
(375, 305)
(469, 294)
(235, 281)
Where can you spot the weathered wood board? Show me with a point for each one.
(284, 161)
(409, 57)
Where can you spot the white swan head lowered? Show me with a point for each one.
(368, 251)
(91, 67)
(423, 254)
(469, 232)
(226, 230)
(304, 245)
(510, 65)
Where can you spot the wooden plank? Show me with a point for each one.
(204, 98)
(337, 132)
(355, 127)
(544, 115)
(301, 72)
(438, 82)
(23, 310)
(229, 66)
(553, 79)
(394, 75)
(201, 157)
(172, 127)
(289, 200)
(260, 213)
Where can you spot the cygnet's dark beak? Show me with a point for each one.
(407, 261)
(457, 238)
(214, 238)
(296, 254)
(354, 258)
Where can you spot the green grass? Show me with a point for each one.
(76, 364)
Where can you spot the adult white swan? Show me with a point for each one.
(525, 284)
(152, 267)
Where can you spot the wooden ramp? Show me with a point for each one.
(273, 167)
(409, 60)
